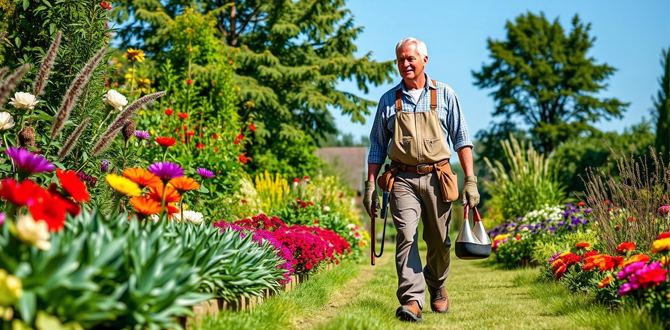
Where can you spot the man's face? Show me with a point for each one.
(410, 62)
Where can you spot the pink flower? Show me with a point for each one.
(664, 209)
(630, 269)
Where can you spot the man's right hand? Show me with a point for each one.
(370, 199)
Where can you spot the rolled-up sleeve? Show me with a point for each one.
(379, 136)
(456, 126)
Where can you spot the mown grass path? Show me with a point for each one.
(481, 297)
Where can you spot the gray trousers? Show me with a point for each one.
(417, 196)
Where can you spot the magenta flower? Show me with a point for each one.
(625, 289)
(29, 162)
(104, 165)
(630, 269)
(2, 218)
(664, 209)
(205, 173)
(166, 170)
(142, 135)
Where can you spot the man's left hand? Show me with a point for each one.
(470, 193)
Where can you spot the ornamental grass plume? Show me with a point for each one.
(47, 63)
(3, 72)
(70, 142)
(128, 130)
(26, 137)
(29, 162)
(10, 83)
(73, 93)
(117, 125)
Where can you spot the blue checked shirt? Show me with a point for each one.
(448, 110)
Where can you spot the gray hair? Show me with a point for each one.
(420, 45)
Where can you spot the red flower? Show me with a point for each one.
(169, 111)
(165, 141)
(607, 202)
(19, 194)
(316, 221)
(242, 159)
(200, 146)
(216, 149)
(244, 201)
(625, 247)
(590, 253)
(582, 245)
(296, 180)
(240, 137)
(189, 81)
(236, 142)
(652, 277)
(183, 115)
(305, 177)
(581, 204)
(50, 209)
(664, 235)
(631, 219)
(190, 133)
(71, 183)
(214, 136)
(252, 127)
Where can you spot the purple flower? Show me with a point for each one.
(142, 135)
(205, 173)
(625, 289)
(28, 161)
(630, 269)
(104, 165)
(2, 218)
(587, 211)
(554, 257)
(166, 170)
(664, 209)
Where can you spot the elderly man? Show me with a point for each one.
(419, 117)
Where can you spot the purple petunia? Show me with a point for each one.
(28, 161)
(205, 173)
(142, 135)
(166, 170)
(104, 165)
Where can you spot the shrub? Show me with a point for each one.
(530, 183)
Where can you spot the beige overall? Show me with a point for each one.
(418, 139)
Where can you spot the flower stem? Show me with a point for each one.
(117, 203)
(181, 209)
(125, 149)
(132, 80)
(163, 210)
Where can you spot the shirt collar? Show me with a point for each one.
(429, 84)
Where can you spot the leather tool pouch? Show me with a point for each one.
(385, 181)
(448, 182)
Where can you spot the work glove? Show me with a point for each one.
(470, 193)
(371, 199)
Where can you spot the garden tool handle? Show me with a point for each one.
(373, 253)
(466, 213)
(372, 237)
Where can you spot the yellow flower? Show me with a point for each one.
(251, 104)
(33, 232)
(664, 261)
(500, 237)
(660, 245)
(134, 55)
(152, 131)
(141, 113)
(11, 288)
(123, 185)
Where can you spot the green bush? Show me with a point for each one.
(530, 183)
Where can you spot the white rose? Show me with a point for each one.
(22, 100)
(6, 121)
(115, 99)
(33, 232)
(326, 208)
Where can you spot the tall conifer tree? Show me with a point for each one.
(662, 108)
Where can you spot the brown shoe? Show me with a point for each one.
(439, 302)
(409, 312)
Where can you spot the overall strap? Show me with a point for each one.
(433, 98)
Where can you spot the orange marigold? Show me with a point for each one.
(171, 194)
(145, 205)
(183, 184)
(142, 177)
(636, 258)
(606, 281)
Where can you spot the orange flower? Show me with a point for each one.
(582, 245)
(145, 205)
(625, 247)
(142, 177)
(171, 194)
(636, 258)
(606, 281)
(183, 184)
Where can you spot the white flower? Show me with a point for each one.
(115, 99)
(192, 216)
(6, 121)
(22, 100)
(326, 208)
(33, 232)
(154, 218)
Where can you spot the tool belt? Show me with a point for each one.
(447, 178)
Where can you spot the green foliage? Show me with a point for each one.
(661, 110)
(516, 253)
(228, 265)
(288, 58)
(530, 183)
(580, 153)
(544, 78)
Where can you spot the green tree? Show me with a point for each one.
(289, 58)
(661, 110)
(545, 79)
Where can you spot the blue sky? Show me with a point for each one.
(629, 36)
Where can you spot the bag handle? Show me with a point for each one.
(466, 213)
